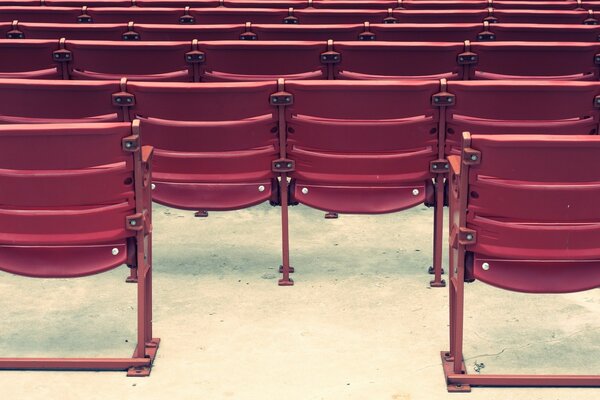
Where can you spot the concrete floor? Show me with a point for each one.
(360, 323)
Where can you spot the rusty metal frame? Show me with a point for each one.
(140, 363)
(455, 372)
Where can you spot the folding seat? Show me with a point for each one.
(444, 4)
(24, 101)
(341, 16)
(534, 60)
(591, 5)
(501, 236)
(440, 16)
(546, 32)
(544, 17)
(303, 32)
(359, 4)
(238, 15)
(363, 148)
(136, 14)
(34, 30)
(262, 60)
(149, 61)
(94, 215)
(407, 32)
(89, 3)
(178, 3)
(65, 15)
(265, 3)
(398, 60)
(534, 5)
(29, 58)
(20, 3)
(187, 32)
(520, 107)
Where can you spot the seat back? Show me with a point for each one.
(356, 4)
(178, 3)
(148, 61)
(66, 15)
(532, 60)
(524, 246)
(265, 3)
(521, 107)
(440, 16)
(398, 60)
(141, 15)
(36, 30)
(541, 16)
(214, 143)
(546, 32)
(69, 190)
(24, 101)
(239, 15)
(156, 32)
(361, 147)
(340, 16)
(306, 32)
(444, 4)
(29, 58)
(417, 32)
(262, 60)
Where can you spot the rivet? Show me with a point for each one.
(289, 165)
(469, 236)
(434, 166)
(153, 186)
(485, 266)
(115, 251)
(261, 188)
(128, 144)
(415, 192)
(277, 165)
(474, 157)
(133, 222)
(274, 99)
(304, 190)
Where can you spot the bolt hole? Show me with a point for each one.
(474, 195)
(451, 131)
(128, 181)
(432, 131)
(291, 130)
(274, 129)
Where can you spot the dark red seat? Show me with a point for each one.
(214, 157)
(239, 15)
(356, 4)
(535, 5)
(408, 32)
(148, 61)
(523, 218)
(140, 15)
(262, 60)
(77, 31)
(29, 58)
(591, 5)
(66, 15)
(541, 16)
(89, 3)
(535, 60)
(265, 4)
(304, 32)
(340, 16)
(186, 32)
(178, 3)
(546, 32)
(440, 16)
(94, 215)
(444, 4)
(526, 107)
(398, 60)
(24, 101)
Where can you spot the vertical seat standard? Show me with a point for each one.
(500, 235)
(29, 58)
(262, 60)
(147, 61)
(514, 107)
(532, 60)
(94, 216)
(398, 60)
(365, 147)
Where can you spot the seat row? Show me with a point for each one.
(354, 147)
(366, 31)
(337, 4)
(223, 15)
(268, 60)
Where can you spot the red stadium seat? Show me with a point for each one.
(148, 61)
(340, 16)
(534, 5)
(32, 59)
(546, 32)
(398, 60)
(543, 17)
(356, 4)
(444, 4)
(186, 32)
(66, 15)
(440, 16)
(238, 15)
(94, 216)
(102, 15)
(408, 32)
(303, 32)
(363, 147)
(35, 30)
(501, 236)
(25, 101)
(262, 60)
(535, 60)
(513, 107)
(88, 3)
(178, 3)
(264, 3)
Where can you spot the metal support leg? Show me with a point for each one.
(285, 240)
(438, 233)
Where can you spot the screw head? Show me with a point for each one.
(114, 251)
(485, 266)
(133, 222)
(469, 236)
(153, 186)
(474, 157)
(415, 192)
(304, 190)
(261, 188)
(128, 145)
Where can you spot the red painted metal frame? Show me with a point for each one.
(140, 363)
(455, 372)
